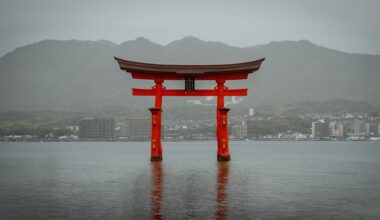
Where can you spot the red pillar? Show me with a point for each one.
(156, 146)
(223, 153)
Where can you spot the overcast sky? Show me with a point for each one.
(346, 25)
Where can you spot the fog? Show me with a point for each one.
(350, 26)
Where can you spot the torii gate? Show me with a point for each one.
(189, 73)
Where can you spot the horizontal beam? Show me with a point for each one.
(206, 76)
(153, 76)
(225, 76)
(198, 92)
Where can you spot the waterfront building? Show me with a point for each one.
(240, 130)
(97, 128)
(333, 129)
(251, 129)
(337, 129)
(251, 112)
(372, 129)
(320, 129)
(359, 127)
(138, 129)
(73, 128)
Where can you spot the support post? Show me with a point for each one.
(223, 149)
(223, 153)
(156, 146)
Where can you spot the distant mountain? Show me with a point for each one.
(332, 106)
(82, 75)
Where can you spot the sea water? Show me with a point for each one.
(263, 180)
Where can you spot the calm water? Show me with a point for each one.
(264, 180)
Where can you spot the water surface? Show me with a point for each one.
(264, 180)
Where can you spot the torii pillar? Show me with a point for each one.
(189, 73)
(156, 146)
(223, 153)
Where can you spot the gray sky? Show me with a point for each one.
(346, 25)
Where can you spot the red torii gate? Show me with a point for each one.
(161, 72)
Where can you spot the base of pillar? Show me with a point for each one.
(155, 158)
(224, 158)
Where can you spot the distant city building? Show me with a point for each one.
(138, 129)
(251, 129)
(251, 112)
(372, 129)
(343, 130)
(320, 129)
(333, 129)
(291, 135)
(239, 130)
(360, 127)
(97, 128)
(299, 136)
(73, 128)
(338, 129)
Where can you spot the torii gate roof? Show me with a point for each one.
(233, 71)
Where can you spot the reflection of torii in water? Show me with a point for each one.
(157, 174)
(221, 191)
(156, 192)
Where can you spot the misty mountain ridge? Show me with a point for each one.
(75, 75)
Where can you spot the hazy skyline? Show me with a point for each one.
(349, 26)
